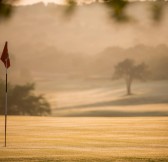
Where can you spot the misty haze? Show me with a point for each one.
(83, 81)
(71, 60)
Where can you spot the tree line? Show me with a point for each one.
(23, 101)
(115, 8)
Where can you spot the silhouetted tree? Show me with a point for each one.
(22, 101)
(129, 72)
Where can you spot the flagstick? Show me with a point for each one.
(6, 61)
(6, 101)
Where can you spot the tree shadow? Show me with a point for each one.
(112, 113)
(124, 101)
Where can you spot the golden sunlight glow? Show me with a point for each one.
(29, 2)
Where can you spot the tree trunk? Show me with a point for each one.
(129, 82)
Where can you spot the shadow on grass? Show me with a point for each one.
(111, 113)
(125, 101)
(79, 158)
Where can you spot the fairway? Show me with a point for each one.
(85, 139)
(104, 98)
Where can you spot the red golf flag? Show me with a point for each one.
(5, 56)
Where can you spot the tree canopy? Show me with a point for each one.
(129, 71)
(22, 100)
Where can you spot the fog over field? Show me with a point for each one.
(84, 86)
(41, 38)
(73, 58)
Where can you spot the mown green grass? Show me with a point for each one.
(42, 139)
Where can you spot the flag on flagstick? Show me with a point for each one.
(5, 59)
(5, 56)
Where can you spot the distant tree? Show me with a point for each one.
(22, 101)
(129, 72)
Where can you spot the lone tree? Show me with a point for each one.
(129, 71)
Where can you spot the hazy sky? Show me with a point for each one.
(28, 2)
(89, 31)
(36, 33)
(24, 2)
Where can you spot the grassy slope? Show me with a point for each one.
(45, 139)
(107, 98)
